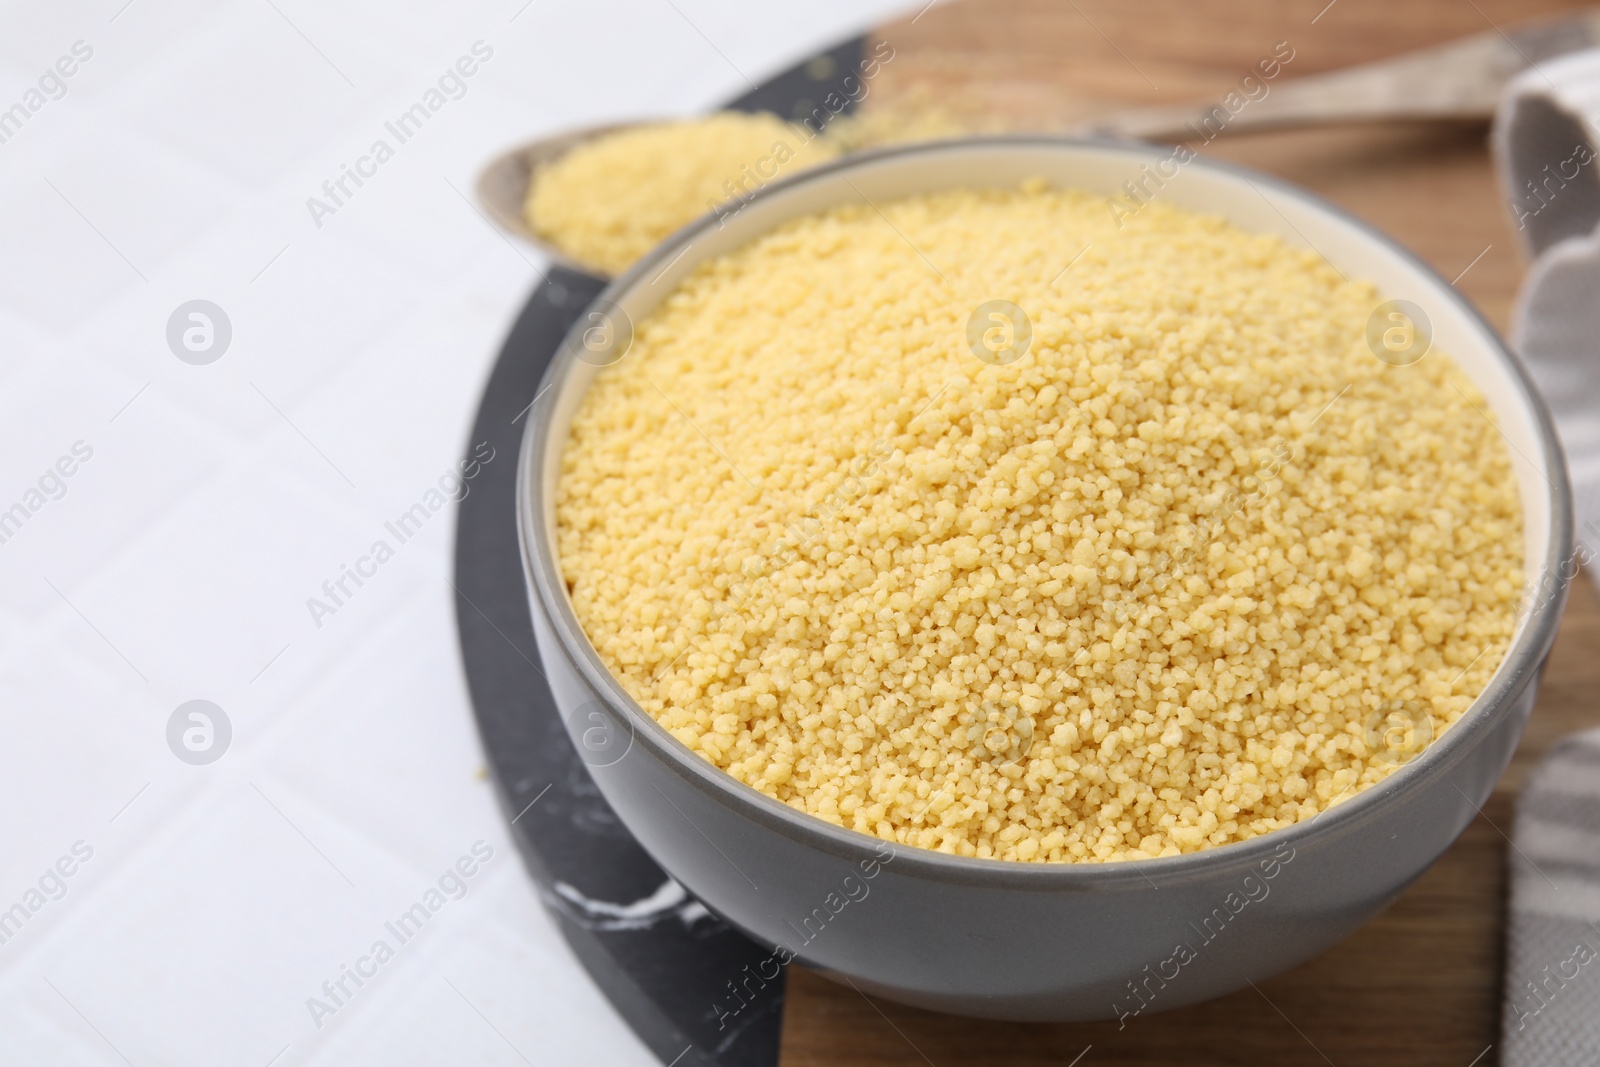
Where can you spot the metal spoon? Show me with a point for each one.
(1460, 81)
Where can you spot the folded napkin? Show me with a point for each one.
(1546, 142)
(1552, 1008)
(1547, 149)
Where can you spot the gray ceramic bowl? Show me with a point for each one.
(1035, 941)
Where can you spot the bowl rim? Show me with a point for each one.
(1519, 668)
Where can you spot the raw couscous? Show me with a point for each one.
(1157, 585)
(608, 202)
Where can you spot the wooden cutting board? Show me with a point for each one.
(1421, 983)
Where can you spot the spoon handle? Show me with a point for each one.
(1459, 81)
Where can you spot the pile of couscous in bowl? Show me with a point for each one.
(1171, 560)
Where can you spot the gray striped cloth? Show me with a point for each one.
(1552, 1007)
(1546, 144)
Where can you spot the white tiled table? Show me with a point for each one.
(176, 562)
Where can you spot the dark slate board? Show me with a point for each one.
(664, 962)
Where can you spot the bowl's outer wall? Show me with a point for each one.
(1029, 954)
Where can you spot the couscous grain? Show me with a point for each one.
(609, 201)
(1160, 584)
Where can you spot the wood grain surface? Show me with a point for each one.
(1420, 984)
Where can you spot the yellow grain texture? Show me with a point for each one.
(1158, 585)
(609, 201)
